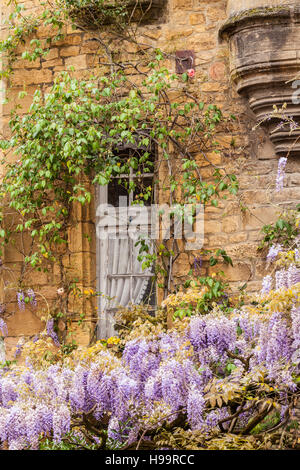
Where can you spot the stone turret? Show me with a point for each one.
(264, 39)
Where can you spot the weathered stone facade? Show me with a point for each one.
(259, 75)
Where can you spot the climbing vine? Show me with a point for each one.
(120, 105)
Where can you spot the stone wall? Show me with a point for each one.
(235, 225)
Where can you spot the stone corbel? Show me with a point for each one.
(264, 47)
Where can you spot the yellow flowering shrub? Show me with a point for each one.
(188, 299)
(42, 352)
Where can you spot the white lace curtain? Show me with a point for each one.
(122, 259)
(122, 278)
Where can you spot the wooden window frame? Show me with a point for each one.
(102, 263)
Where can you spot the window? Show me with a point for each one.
(120, 224)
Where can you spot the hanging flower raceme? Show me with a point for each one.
(266, 285)
(32, 297)
(273, 252)
(3, 328)
(157, 379)
(51, 332)
(281, 279)
(281, 173)
(21, 300)
(293, 275)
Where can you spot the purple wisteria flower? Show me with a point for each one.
(250, 326)
(293, 125)
(195, 409)
(61, 421)
(266, 285)
(295, 315)
(197, 264)
(280, 173)
(281, 279)
(19, 347)
(293, 275)
(156, 378)
(273, 253)
(21, 300)
(51, 332)
(3, 327)
(32, 297)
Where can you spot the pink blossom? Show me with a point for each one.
(191, 73)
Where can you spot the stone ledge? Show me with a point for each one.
(251, 16)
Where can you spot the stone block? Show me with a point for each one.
(53, 63)
(13, 99)
(212, 227)
(27, 77)
(243, 251)
(24, 323)
(256, 217)
(231, 224)
(69, 51)
(78, 62)
(70, 40)
(239, 272)
(215, 14)
(217, 71)
(183, 4)
(197, 19)
(52, 54)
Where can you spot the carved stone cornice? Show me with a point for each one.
(265, 61)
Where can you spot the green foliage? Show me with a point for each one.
(92, 118)
(97, 13)
(283, 231)
(68, 348)
(269, 422)
(201, 301)
(137, 321)
(71, 441)
(6, 364)
(216, 292)
(92, 14)
(22, 26)
(207, 291)
(181, 439)
(214, 259)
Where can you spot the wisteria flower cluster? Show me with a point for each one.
(22, 297)
(219, 372)
(51, 332)
(3, 328)
(281, 173)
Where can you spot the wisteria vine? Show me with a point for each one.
(218, 372)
